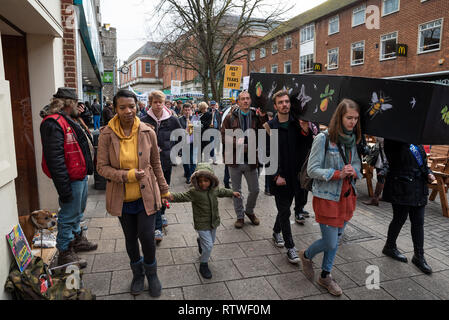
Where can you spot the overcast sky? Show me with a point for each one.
(132, 20)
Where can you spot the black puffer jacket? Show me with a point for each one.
(52, 137)
(163, 136)
(406, 182)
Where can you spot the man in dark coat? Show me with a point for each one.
(294, 143)
(67, 160)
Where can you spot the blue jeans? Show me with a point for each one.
(207, 239)
(70, 215)
(97, 122)
(327, 244)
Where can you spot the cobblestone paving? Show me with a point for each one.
(246, 265)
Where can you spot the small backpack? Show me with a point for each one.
(305, 181)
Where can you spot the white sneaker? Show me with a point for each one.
(292, 255)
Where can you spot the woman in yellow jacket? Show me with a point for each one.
(128, 157)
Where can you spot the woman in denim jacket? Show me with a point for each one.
(334, 173)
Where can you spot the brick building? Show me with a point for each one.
(108, 40)
(339, 34)
(144, 69)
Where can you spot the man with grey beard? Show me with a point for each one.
(66, 160)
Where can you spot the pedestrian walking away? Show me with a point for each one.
(128, 156)
(334, 166)
(66, 159)
(294, 142)
(243, 117)
(407, 191)
(96, 111)
(204, 196)
(163, 123)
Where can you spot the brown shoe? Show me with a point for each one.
(307, 266)
(70, 257)
(80, 243)
(239, 223)
(330, 284)
(254, 220)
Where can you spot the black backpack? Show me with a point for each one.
(305, 181)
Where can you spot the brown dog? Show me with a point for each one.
(40, 219)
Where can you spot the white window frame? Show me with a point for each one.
(264, 52)
(307, 33)
(352, 48)
(338, 57)
(419, 36)
(310, 70)
(289, 62)
(274, 45)
(383, 8)
(285, 42)
(263, 70)
(252, 55)
(357, 10)
(139, 63)
(332, 20)
(381, 55)
(277, 68)
(134, 70)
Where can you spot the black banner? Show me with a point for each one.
(407, 111)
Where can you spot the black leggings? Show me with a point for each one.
(139, 226)
(400, 214)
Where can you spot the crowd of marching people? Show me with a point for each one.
(134, 156)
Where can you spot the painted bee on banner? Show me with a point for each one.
(378, 104)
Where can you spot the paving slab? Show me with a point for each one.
(123, 296)
(227, 251)
(232, 235)
(103, 222)
(104, 246)
(436, 264)
(407, 289)
(437, 283)
(112, 233)
(354, 252)
(212, 291)
(258, 248)
(172, 239)
(282, 264)
(395, 269)
(121, 281)
(98, 283)
(178, 275)
(326, 296)
(356, 271)
(292, 285)
(90, 258)
(252, 289)
(164, 257)
(111, 262)
(362, 293)
(222, 270)
(185, 255)
(93, 233)
(166, 294)
(255, 266)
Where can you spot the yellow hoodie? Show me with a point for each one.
(128, 156)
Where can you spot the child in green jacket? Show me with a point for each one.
(204, 197)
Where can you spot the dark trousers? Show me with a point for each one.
(139, 227)
(159, 213)
(300, 199)
(190, 167)
(227, 177)
(400, 214)
(284, 198)
(212, 151)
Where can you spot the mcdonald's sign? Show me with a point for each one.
(401, 50)
(318, 67)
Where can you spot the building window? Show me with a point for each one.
(389, 6)
(357, 53)
(388, 46)
(134, 69)
(263, 52)
(430, 36)
(287, 42)
(307, 33)
(334, 25)
(148, 67)
(274, 47)
(306, 63)
(288, 67)
(358, 16)
(139, 63)
(274, 68)
(263, 70)
(252, 55)
(332, 59)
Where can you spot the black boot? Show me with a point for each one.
(204, 270)
(138, 280)
(154, 285)
(394, 253)
(419, 261)
(200, 250)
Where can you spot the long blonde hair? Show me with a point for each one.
(202, 106)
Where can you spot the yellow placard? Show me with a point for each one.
(232, 77)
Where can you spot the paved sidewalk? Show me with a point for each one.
(246, 265)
